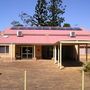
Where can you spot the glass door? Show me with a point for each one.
(27, 52)
(24, 52)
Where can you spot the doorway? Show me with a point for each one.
(26, 52)
(47, 52)
(69, 56)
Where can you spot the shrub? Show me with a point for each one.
(66, 25)
(87, 67)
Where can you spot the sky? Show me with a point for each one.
(77, 12)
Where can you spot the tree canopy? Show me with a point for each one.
(66, 25)
(47, 13)
(40, 16)
(56, 10)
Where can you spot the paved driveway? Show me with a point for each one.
(41, 75)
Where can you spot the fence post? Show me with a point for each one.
(25, 79)
(82, 79)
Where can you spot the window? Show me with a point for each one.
(4, 49)
(82, 51)
(88, 50)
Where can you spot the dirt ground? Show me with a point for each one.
(41, 75)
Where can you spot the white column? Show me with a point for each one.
(11, 52)
(34, 56)
(86, 54)
(75, 55)
(61, 56)
(58, 55)
(55, 52)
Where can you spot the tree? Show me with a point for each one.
(40, 16)
(56, 10)
(27, 19)
(16, 23)
(46, 14)
(66, 25)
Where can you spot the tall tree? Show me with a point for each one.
(56, 10)
(46, 14)
(40, 16)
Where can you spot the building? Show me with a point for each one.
(62, 44)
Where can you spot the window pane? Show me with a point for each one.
(88, 50)
(2, 49)
(82, 51)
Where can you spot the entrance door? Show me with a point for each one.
(27, 52)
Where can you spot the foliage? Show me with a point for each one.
(27, 19)
(66, 25)
(40, 16)
(56, 10)
(87, 67)
(46, 14)
(16, 23)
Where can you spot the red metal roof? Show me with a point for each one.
(42, 36)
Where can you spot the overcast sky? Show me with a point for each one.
(77, 11)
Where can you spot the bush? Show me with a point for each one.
(66, 25)
(87, 67)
